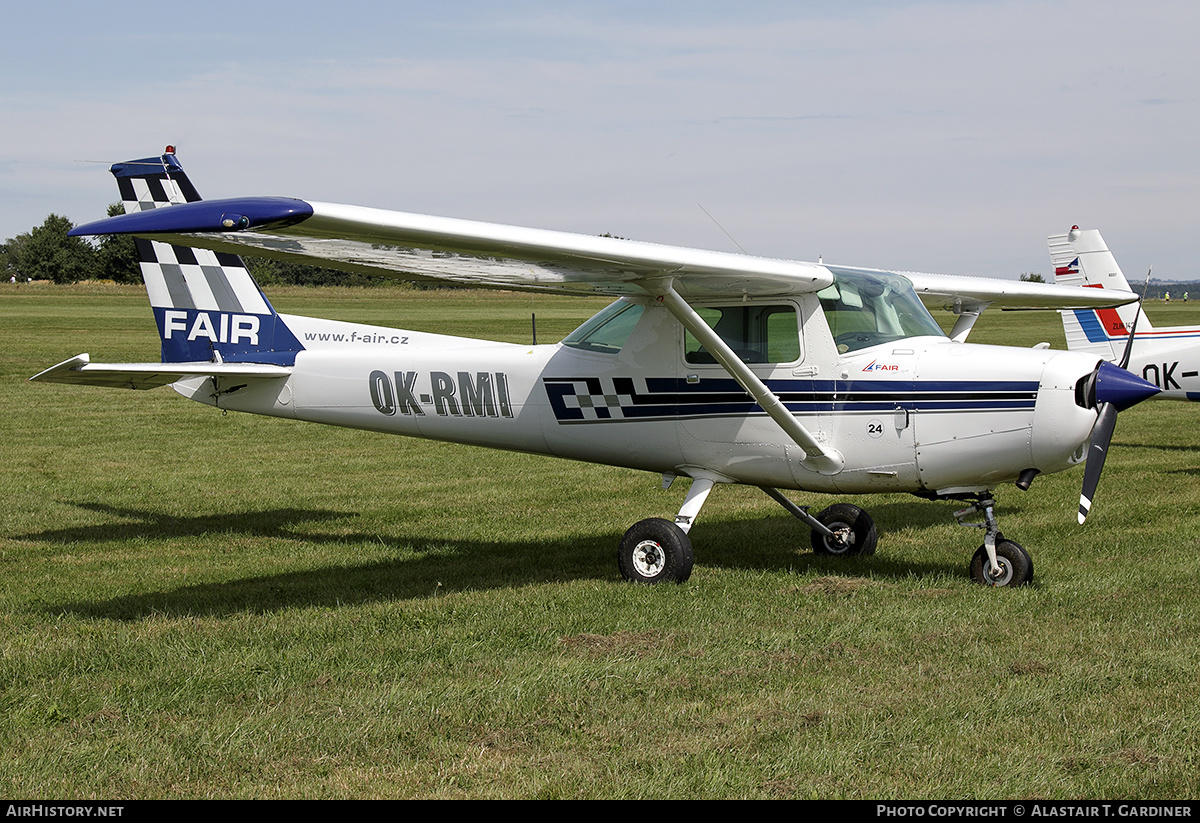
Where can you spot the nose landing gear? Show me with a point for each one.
(999, 561)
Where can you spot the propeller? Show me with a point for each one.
(1132, 331)
(1097, 451)
(1136, 317)
(1114, 389)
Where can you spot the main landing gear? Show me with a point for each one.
(655, 551)
(659, 551)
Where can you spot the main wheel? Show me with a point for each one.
(655, 551)
(1016, 566)
(855, 530)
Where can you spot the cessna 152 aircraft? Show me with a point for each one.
(720, 367)
(1168, 356)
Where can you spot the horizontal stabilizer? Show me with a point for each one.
(79, 370)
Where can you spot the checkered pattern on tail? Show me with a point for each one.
(206, 304)
(179, 276)
(153, 183)
(185, 278)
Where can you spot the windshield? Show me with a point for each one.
(866, 308)
(607, 331)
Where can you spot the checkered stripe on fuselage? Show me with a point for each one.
(586, 399)
(595, 399)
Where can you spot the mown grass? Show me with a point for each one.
(198, 605)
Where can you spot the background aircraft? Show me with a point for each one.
(1168, 357)
(719, 367)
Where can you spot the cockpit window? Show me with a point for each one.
(866, 308)
(757, 333)
(607, 331)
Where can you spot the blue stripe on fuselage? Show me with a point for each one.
(592, 399)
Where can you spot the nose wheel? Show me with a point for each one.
(999, 561)
(1013, 567)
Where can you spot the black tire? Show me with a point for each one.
(1016, 566)
(655, 551)
(843, 516)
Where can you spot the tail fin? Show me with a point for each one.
(1081, 258)
(206, 304)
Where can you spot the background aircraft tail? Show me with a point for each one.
(207, 306)
(1081, 258)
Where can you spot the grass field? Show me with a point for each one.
(199, 605)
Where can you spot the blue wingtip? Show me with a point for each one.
(1122, 388)
(236, 214)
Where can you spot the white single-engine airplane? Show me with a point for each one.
(1167, 356)
(719, 367)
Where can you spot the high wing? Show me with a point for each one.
(469, 253)
(951, 291)
(967, 297)
(459, 252)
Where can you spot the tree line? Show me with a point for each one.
(46, 252)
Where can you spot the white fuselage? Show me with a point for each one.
(922, 414)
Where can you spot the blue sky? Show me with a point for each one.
(928, 136)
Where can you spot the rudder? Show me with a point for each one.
(206, 305)
(1081, 258)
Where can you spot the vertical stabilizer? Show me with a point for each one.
(206, 304)
(1081, 258)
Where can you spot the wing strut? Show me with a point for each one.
(817, 457)
(968, 312)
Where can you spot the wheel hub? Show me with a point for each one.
(1003, 578)
(842, 539)
(649, 559)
